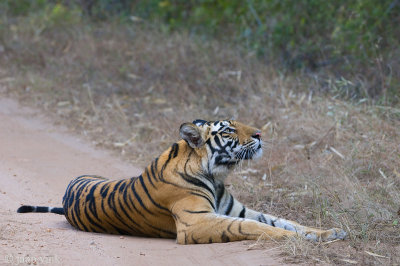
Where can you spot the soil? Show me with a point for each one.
(37, 161)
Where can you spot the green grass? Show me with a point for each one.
(349, 47)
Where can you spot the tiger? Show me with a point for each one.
(181, 195)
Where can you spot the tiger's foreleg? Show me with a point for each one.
(304, 231)
(214, 228)
(197, 222)
(228, 205)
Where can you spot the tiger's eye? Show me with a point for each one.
(229, 130)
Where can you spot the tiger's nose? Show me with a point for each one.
(257, 135)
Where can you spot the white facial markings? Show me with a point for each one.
(224, 149)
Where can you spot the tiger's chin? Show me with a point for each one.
(257, 154)
(252, 154)
(224, 166)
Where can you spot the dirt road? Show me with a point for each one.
(37, 160)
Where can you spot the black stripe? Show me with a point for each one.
(69, 201)
(127, 215)
(156, 164)
(169, 157)
(139, 199)
(25, 208)
(122, 186)
(175, 148)
(262, 219)
(220, 194)
(148, 175)
(76, 211)
(209, 177)
(235, 145)
(91, 201)
(230, 205)
(103, 209)
(187, 160)
(78, 187)
(67, 194)
(112, 202)
(104, 190)
(71, 218)
(241, 215)
(91, 221)
(199, 121)
(162, 230)
(42, 209)
(243, 233)
(173, 184)
(153, 174)
(58, 211)
(218, 142)
(133, 205)
(148, 195)
(125, 197)
(213, 150)
(229, 227)
(177, 218)
(121, 231)
(203, 196)
(219, 158)
(224, 237)
(194, 240)
(119, 182)
(189, 211)
(228, 144)
(190, 179)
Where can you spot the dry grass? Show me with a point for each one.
(327, 163)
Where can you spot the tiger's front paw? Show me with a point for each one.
(328, 235)
(332, 234)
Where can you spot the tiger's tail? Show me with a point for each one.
(29, 208)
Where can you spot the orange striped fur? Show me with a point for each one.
(181, 194)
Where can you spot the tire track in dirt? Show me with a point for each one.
(37, 161)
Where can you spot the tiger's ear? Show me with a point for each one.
(191, 134)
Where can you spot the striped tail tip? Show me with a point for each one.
(26, 208)
(42, 209)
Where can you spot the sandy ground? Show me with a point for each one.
(37, 160)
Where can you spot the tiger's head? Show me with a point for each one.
(222, 144)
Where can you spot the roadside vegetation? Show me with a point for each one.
(127, 75)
